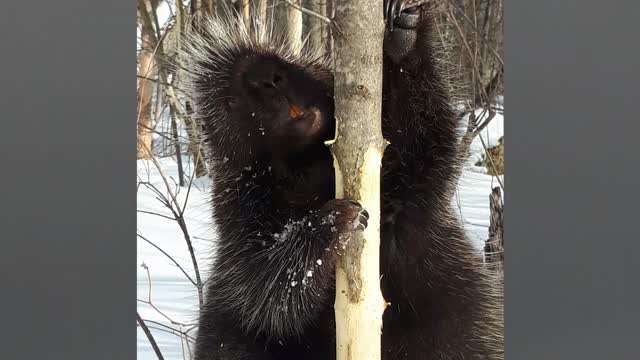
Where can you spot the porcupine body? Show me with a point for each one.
(267, 112)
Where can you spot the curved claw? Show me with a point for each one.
(387, 3)
(403, 4)
(392, 14)
(393, 8)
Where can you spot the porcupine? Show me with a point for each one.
(267, 111)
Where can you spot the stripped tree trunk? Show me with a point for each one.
(357, 152)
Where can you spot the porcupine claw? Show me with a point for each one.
(390, 7)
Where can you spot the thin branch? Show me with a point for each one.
(177, 331)
(156, 214)
(471, 23)
(474, 68)
(169, 257)
(150, 302)
(152, 341)
(160, 82)
(324, 19)
(168, 331)
(177, 212)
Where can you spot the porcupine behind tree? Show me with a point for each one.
(267, 113)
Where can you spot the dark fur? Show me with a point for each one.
(271, 292)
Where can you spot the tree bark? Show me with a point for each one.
(246, 15)
(494, 246)
(195, 148)
(209, 7)
(194, 132)
(145, 87)
(294, 27)
(261, 17)
(176, 143)
(328, 41)
(314, 27)
(357, 152)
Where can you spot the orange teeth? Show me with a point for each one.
(294, 111)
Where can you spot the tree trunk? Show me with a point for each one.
(328, 41)
(148, 18)
(261, 16)
(246, 15)
(194, 6)
(494, 246)
(194, 132)
(176, 143)
(145, 89)
(357, 152)
(312, 26)
(209, 7)
(294, 27)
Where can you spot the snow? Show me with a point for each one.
(174, 295)
(171, 292)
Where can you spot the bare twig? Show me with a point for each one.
(165, 329)
(155, 213)
(474, 28)
(324, 19)
(473, 130)
(160, 82)
(152, 341)
(178, 213)
(170, 258)
(150, 302)
(179, 332)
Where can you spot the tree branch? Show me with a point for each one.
(152, 341)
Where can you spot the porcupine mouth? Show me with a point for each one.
(305, 121)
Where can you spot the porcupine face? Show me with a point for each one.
(251, 86)
(280, 102)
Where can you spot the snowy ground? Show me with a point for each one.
(173, 295)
